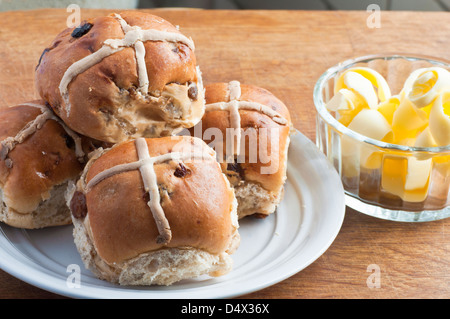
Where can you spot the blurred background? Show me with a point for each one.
(422, 5)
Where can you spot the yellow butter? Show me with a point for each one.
(407, 86)
(425, 139)
(378, 82)
(440, 120)
(441, 164)
(393, 175)
(418, 173)
(344, 99)
(346, 103)
(388, 108)
(406, 177)
(364, 87)
(427, 85)
(371, 123)
(418, 116)
(407, 121)
(417, 179)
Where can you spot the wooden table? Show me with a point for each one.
(285, 52)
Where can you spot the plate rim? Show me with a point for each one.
(46, 279)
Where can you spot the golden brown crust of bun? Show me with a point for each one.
(98, 97)
(197, 206)
(42, 161)
(251, 121)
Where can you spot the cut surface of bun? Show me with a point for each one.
(117, 226)
(38, 157)
(122, 76)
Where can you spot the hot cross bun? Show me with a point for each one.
(250, 130)
(39, 155)
(154, 211)
(122, 76)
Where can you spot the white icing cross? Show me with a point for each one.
(134, 37)
(145, 165)
(9, 143)
(233, 106)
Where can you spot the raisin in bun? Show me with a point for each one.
(122, 76)
(39, 155)
(254, 156)
(154, 211)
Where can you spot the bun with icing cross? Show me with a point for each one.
(122, 76)
(154, 211)
(39, 156)
(250, 130)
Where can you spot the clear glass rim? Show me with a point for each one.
(330, 120)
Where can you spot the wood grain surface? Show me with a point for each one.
(285, 52)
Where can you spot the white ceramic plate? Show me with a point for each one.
(271, 249)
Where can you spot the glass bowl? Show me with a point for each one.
(388, 181)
